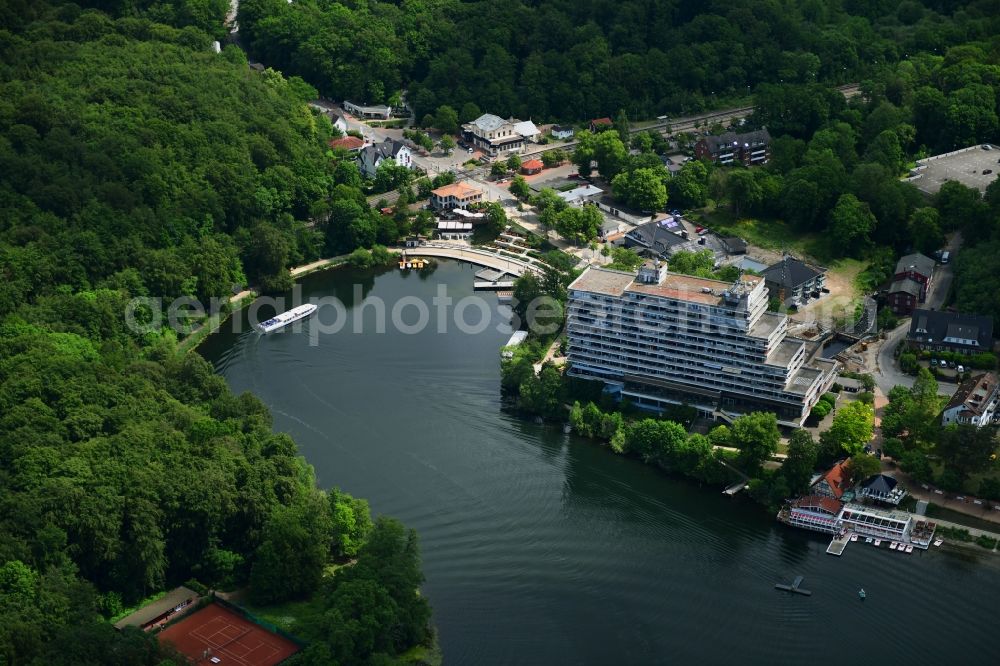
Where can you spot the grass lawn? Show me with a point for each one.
(768, 234)
(287, 616)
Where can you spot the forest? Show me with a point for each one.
(565, 60)
(134, 161)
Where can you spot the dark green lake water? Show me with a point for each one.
(541, 548)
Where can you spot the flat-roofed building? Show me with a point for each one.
(659, 338)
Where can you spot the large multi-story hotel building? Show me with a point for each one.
(659, 338)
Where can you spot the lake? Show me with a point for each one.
(543, 548)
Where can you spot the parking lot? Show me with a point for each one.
(973, 167)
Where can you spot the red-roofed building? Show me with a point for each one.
(351, 144)
(531, 167)
(833, 483)
(600, 123)
(813, 512)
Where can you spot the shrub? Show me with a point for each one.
(867, 398)
(986, 542)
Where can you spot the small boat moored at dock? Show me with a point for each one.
(892, 546)
(938, 542)
(878, 542)
(909, 548)
(854, 537)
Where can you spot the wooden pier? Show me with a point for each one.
(794, 587)
(839, 543)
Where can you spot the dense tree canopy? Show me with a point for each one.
(564, 59)
(136, 162)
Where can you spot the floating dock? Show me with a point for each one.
(839, 543)
(504, 284)
(794, 587)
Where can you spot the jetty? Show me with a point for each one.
(839, 543)
(794, 587)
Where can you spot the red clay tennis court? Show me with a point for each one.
(217, 635)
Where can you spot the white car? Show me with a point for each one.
(961, 369)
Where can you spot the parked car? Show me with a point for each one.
(700, 230)
(987, 172)
(961, 369)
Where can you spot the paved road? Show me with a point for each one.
(888, 373)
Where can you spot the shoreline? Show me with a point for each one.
(236, 303)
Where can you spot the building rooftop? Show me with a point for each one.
(951, 327)
(747, 139)
(690, 289)
(603, 281)
(836, 478)
(783, 352)
(155, 609)
(918, 263)
(525, 128)
(827, 504)
(803, 378)
(347, 143)
(457, 190)
(974, 393)
(488, 122)
(766, 324)
(906, 285)
(532, 164)
(790, 272)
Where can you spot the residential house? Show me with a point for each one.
(351, 144)
(581, 195)
(531, 167)
(904, 296)
(563, 132)
(372, 156)
(793, 281)
(882, 488)
(657, 240)
(599, 124)
(910, 283)
(494, 135)
(377, 111)
(834, 483)
(734, 245)
(612, 230)
(527, 129)
(976, 402)
(338, 121)
(934, 330)
(748, 148)
(456, 195)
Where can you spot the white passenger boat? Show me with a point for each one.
(285, 318)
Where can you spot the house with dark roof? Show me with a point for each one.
(372, 156)
(748, 148)
(793, 281)
(833, 483)
(563, 132)
(734, 245)
(657, 241)
(950, 331)
(976, 402)
(910, 283)
(882, 488)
